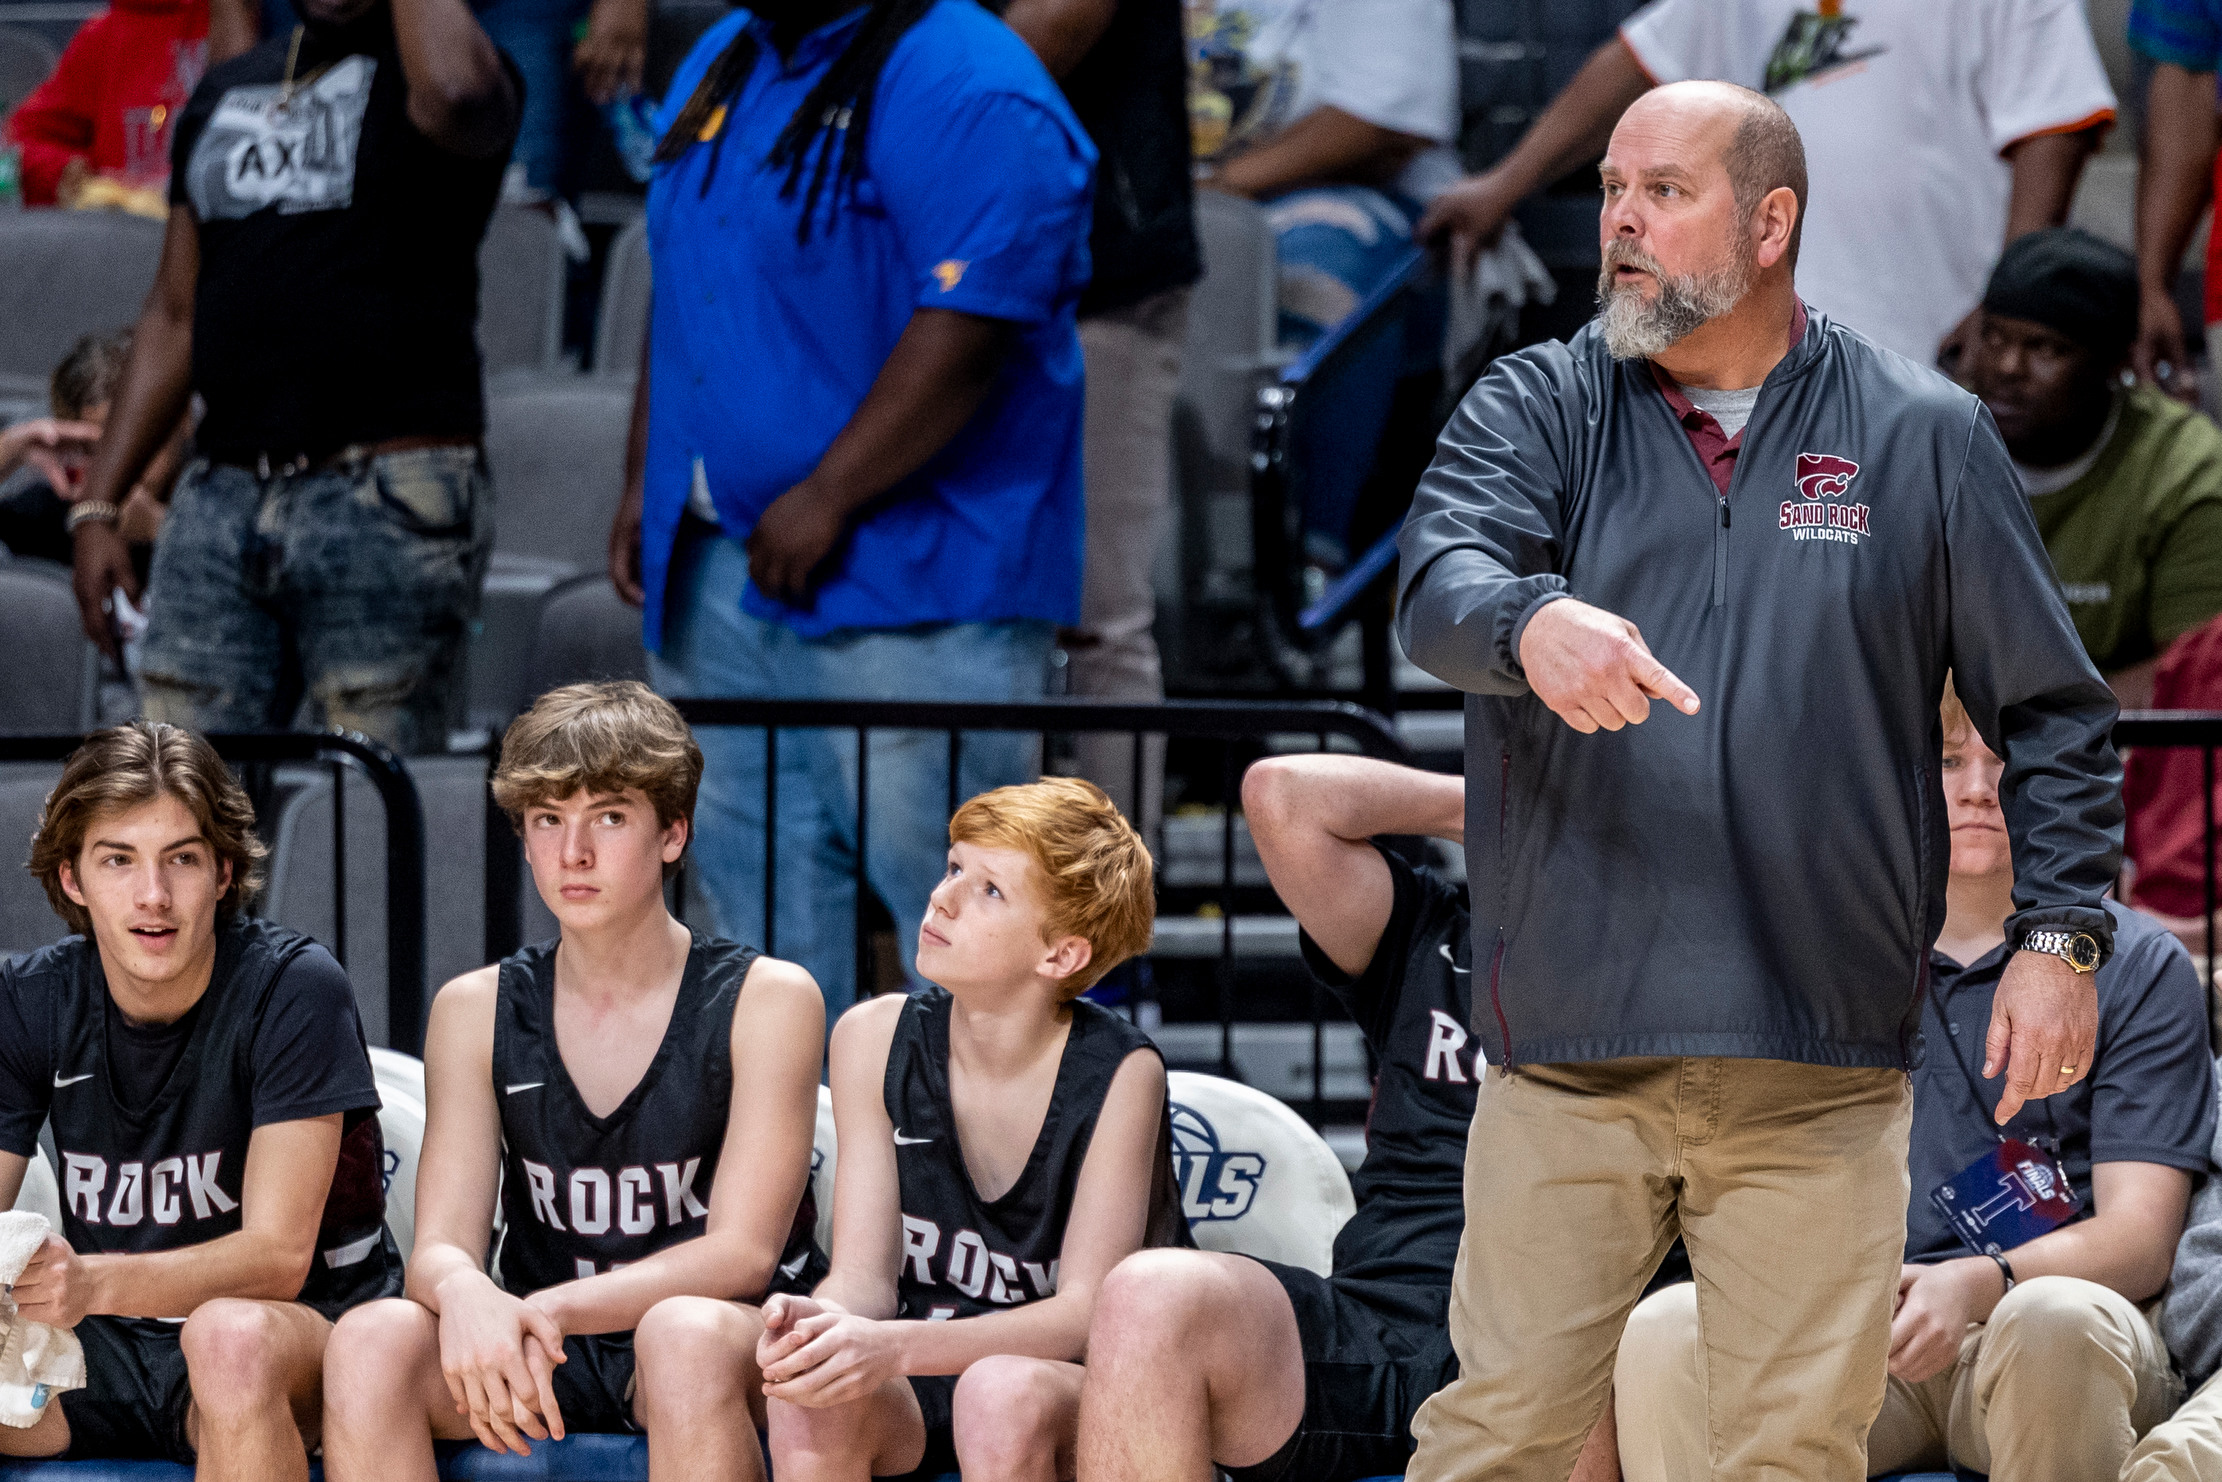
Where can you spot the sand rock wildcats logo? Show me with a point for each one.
(1823, 511)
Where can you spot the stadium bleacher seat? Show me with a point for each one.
(53, 678)
(26, 920)
(521, 273)
(557, 453)
(64, 274)
(621, 329)
(26, 60)
(586, 632)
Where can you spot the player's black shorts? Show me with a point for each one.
(136, 1393)
(1373, 1352)
(936, 1398)
(594, 1384)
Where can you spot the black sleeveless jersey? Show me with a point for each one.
(275, 1038)
(964, 1255)
(1413, 1005)
(583, 1194)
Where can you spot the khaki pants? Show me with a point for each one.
(2054, 1388)
(1133, 363)
(2187, 1446)
(1788, 1184)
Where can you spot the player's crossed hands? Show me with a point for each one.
(498, 1355)
(816, 1355)
(1593, 669)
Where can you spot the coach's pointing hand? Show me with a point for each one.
(1593, 669)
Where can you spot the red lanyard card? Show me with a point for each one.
(2006, 1198)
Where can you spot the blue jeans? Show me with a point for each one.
(712, 648)
(355, 586)
(556, 121)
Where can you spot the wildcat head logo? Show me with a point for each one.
(1824, 512)
(1824, 475)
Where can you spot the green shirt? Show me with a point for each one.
(2137, 541)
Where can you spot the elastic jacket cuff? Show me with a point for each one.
(2090, 919)
(1511, 656)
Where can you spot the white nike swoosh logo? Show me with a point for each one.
(908, 1142)
(73, 1080)
(524, 1086)
(794, 1267)
(1444, 948)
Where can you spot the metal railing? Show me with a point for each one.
(404, 816)
(1231, 724)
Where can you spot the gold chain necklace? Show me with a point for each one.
(287, 86)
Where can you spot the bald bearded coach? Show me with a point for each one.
(1702, 571)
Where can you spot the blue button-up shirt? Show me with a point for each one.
(975, 196)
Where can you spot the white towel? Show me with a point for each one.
(1486, 300)
(37, 1362)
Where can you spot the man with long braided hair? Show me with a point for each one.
(855, 462)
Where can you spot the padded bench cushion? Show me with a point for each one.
(573, 1459)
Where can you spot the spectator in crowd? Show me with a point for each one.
(2025, 1357)
(42, 462)
(1125, 73)
(112, 103)
(1340, 115)
(574, 56)
(319, 290)
(2187, 1446)
(2175, 179)
(1936, 132)
(204, 1078)
(1729, 1064)
(2126, 484)
(855, 464)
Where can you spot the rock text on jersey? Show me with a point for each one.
(968, 1265)
(1447, 1058)
(160, 1192)
(596, 1200)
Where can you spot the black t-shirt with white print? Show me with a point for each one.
(152, 1123)
(1413, 1004)
(338, 292)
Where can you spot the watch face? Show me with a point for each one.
(2083, 952)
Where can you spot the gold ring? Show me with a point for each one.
(2071, 1070)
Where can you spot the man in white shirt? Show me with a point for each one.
(1936, 131)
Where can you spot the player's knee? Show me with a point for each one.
(236, 1354)
(1662, 1340)
(694, 1345)
(1148, 1302)
(1006, 1413)
(374, 1344)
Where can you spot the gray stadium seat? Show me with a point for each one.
(557, 451)
(521, 271)
(1233, 318)
(68, 273)
(26, 920)
(586, 632)
(452, 791)
(26, 60)
(622, 328)
(53, 675)
(501, 648)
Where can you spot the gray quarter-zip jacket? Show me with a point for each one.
(1764, 878)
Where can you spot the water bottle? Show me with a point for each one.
(632, 124)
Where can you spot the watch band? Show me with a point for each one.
(2079, 949)
(2004, 1269)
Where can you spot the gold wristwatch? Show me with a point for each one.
(2078, 949)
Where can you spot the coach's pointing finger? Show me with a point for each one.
(1593, 669)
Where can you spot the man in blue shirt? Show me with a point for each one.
(2182, 39)
(855, 462)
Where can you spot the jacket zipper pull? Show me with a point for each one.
(1724, 514)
